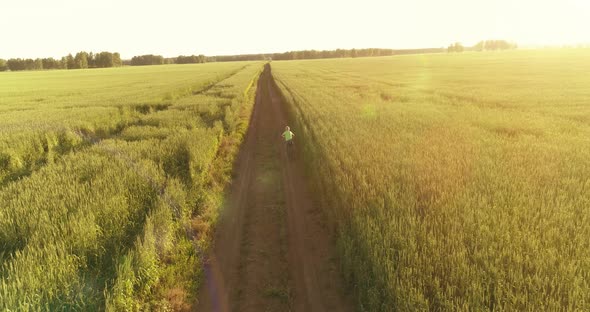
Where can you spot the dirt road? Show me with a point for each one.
(272, 250)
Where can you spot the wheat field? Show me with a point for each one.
(455, 182)
(110, 180)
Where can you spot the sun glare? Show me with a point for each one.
(261, 26)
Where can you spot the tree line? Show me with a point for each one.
(150, 59)
(193, 59)
(487, 45)
(79, 61)
(493, 45)
(99, 60)
(320, 54)
(107, 59)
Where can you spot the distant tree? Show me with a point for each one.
(38, 64)
(104, 59)
(16, 64)
(455, 47)
(193, 59)
(23, 64)
(64, 63)
(181, 59)
(30, 64)
(148, 59)
(479, 46)
(91, 60)
(11, 64)
(3, 65)
(308, 54)
(493, 45)
(50, 63)
(81, 60)
(71, 62)
(117, 60)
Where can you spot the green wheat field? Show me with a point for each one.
(102, 173)
(455, 182)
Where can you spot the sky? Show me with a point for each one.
(54, 28)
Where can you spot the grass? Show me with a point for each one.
(455, 182)
(110, 181)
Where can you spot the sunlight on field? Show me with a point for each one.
(102, 173)
(459, 182)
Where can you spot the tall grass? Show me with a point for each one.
(456, 182)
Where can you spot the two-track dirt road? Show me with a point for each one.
(272, 250)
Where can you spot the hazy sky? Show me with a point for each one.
(44, 28)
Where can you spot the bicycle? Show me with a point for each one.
(290, 147)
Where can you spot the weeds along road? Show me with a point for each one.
(272, 251)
